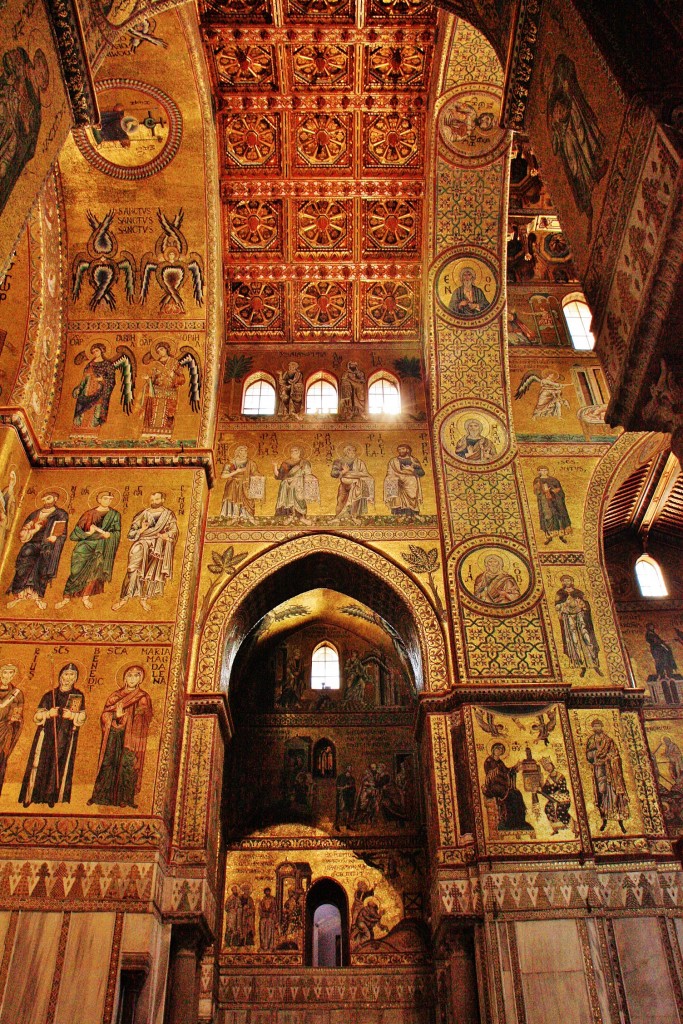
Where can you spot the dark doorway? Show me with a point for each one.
(327, 925)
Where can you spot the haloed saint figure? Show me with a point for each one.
(125, 723)
(50, 767)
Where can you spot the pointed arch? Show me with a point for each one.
(320, 560)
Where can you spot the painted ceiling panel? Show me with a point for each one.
(321, 106)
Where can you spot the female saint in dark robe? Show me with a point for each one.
(125, 725)
(50, 767)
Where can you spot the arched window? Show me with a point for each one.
(321, 395)
(577, 316)
(650, 579)
(325, 668)
(327, 925)
(384, 396)
(258, 396)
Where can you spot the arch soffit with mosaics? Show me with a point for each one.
(266, 580)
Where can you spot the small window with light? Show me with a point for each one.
(578, 318)
(321, 396)
(384, 397)
(258, 397)
(650, 578)
(325, 668)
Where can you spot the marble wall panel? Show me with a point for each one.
(32, 968)
(643, 964)
(552, 969)
(88, 943)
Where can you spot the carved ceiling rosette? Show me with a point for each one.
(323, 140)
(322, 224)
(244, 67)
(242, 10)
(256, 306)
(324, 303)
(251, 139)
(254, 225)
(396, 67)
(412, 9)
(320, 9)
(391, 224)
(326, 66)
(389, 304)
(392, 140)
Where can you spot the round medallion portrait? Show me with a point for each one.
(474, 437)
(467, 288)
(495, 576)
(139, 133)
(468, 125)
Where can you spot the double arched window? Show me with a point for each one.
(578, 318)
(325, 667)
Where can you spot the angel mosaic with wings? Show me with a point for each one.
(170, 264)
(103, 264)
(549, 401)
(162, 383)
(94, 392)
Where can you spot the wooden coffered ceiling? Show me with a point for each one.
(321, 110)
(649, 500)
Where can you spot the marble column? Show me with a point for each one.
(182, 999)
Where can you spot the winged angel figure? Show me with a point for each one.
(549, 401)
(170, 263)
(544, 726)
(103, 264)
(487, 722)
(98, 382)
(165, 377)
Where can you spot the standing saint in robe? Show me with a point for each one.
(552, 509)
(610, 794)
(42, 538)
(97, 535)
(402, 487)
(237, 501)
(356, 486)
(11, 716)
(50, 766)
(353, 389)
(125, 721)
(579, 642)
(291, 496)
(154, 532)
